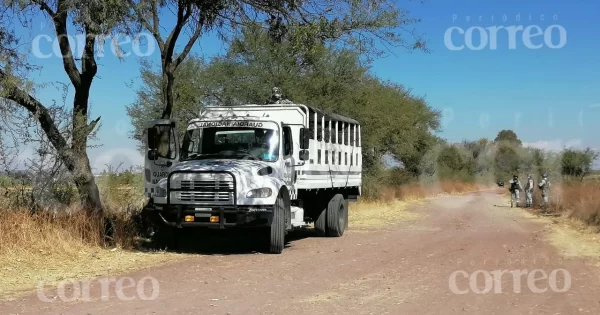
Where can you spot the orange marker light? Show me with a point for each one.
(189, 218)
(214, 219)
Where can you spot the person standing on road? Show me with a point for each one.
(545, 187)
(515, 188)
(529, 192)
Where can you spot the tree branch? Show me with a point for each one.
(89, 68)
(60, 26)
(182, 17)
(155, 19)
(41, 113)
(153, 29)
(92, 125)
(190, 43)
(44, 6)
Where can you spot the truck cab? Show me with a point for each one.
(249, 166)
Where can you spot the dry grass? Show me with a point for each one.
(576, 232)
(573, 239)
(415, 191)
(373, 214)
(578, 200)
(50, 248)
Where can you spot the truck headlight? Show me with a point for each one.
(160, 192)
(259, 193)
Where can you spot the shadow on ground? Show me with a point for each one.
(224, 242)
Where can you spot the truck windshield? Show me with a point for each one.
(231, 143)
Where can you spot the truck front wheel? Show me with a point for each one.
(167, 237)
(277, 236)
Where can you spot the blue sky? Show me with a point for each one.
(550, 97)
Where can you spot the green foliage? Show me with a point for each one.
(121, 189)
(577, 163)
(192, 90)
(507, 156)
(507, 161)
(5, 181)
(509, 137)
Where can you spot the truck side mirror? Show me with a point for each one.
(152, 139)
(303, 155)
(304, 137)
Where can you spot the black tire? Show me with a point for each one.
(166, 237)
(336, 216)
(321, 223)
(278, 225)
(146, 226)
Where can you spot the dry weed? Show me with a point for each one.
(50, 247)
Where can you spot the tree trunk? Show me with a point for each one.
(168, 101)
(79, 163)
(86, 185)
(167, 90)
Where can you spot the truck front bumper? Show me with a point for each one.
(228, 216)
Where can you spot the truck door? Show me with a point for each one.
(162, 150)
(289, 169)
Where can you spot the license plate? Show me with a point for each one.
(202, 214)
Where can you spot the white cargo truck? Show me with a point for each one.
(271, 167)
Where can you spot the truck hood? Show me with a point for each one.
(234, 166)
(245, 173)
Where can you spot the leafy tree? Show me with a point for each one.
(506, 161)
(92, 19)
(508, 136)
(192, 89)
(577, 163)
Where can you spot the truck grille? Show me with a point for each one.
(211, 188)
(206, 185)
(214, 197)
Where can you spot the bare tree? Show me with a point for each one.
(92, 19)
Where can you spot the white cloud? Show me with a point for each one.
(125, 158)
(554, 145)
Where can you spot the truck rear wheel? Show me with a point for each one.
(337, 212)
(277, 236)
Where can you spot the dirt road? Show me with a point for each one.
(405, 268)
